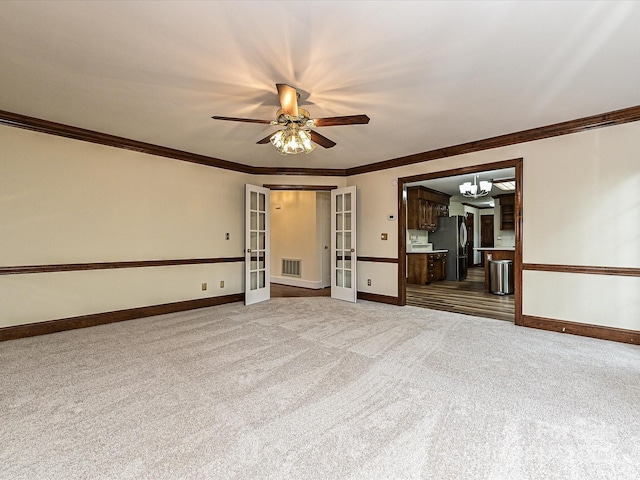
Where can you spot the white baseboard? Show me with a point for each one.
(297, 282)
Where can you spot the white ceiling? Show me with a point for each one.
(450, 185)
(429, 74)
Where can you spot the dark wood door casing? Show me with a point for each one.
(516, 163)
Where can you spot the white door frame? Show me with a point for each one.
(257, 245)
(344, 284)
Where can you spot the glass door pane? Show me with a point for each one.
(257, 269)
(343, 285)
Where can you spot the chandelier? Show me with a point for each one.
(472, 191)
(292, 140)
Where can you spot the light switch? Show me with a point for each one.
(383, 236)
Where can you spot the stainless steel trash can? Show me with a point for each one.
(501, 277)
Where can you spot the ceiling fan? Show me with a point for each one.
(297, 136)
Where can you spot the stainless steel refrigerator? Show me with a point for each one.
(452, 236)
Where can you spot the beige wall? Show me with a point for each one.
(377, 199)
(67, 201)
(294, 231)
(580, 207)
(323, 238)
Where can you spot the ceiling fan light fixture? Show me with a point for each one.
(292, 140)
(296, 136)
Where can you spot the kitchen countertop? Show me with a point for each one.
(508, 249)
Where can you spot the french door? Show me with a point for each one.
(343, 244)
(257, 258)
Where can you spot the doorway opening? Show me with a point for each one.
(300, 236)
(313, 235)
(451, 277)
(315, 245)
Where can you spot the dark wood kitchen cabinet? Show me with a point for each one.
(424, 206)
(507, 211)
(438, 265)
(414, 220)
(424, 268)
(417, 268)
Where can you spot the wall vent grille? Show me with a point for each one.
(291, 267)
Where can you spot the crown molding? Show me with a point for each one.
(306, 188)
(76, 133)
(616, 117)
(316, 172)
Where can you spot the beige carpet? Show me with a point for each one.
(312, 388)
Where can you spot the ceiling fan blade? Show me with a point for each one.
(321, 140)
(266, 139)
(345, 120)
(288, 99)
(246, 120)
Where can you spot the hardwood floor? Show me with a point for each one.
(278, 290)
(466, 297)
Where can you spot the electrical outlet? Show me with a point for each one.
(226, 236)
(368, 282)
(383, 236)
(221, 283)
(204, 286)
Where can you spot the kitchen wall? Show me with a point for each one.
(419, 237)
(456, 208)
(67, 201)
(505, 238)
